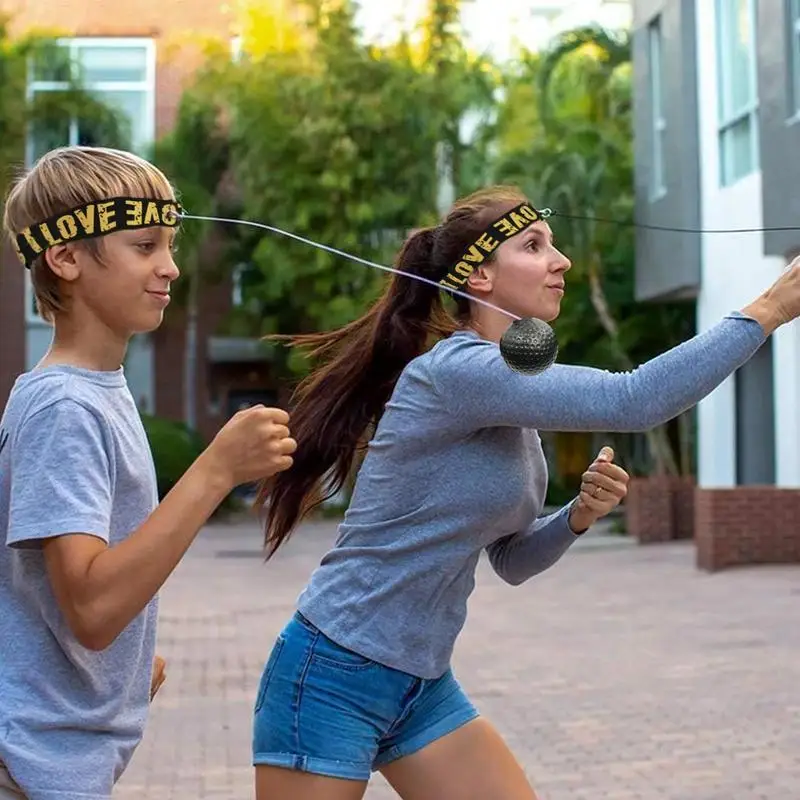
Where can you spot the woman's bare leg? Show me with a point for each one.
(276, 783)
(471, 763)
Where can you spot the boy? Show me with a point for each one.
(86, 547)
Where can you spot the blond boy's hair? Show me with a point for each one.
(64, 179)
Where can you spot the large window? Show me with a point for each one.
(793, 26)
(658, 124)
(119, 72)
(737, 92)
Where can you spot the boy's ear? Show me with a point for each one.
(63, 262)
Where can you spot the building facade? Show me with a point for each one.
(136, 56)
(717, 98)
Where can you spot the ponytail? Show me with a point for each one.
(336, 404)
(359, 364)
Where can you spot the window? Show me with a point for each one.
(793, 26)
(658, 123)
(738, 101)
(237, 293)
(236, 49)
(244, 277)
(31, 314)
(120, 72)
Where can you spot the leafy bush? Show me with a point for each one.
(559, 494)
(175, 447)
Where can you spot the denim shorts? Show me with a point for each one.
(324, 709)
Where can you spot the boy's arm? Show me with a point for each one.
(61, 491)
(100, 589)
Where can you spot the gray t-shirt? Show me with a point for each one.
(74, 457)
(456, 467)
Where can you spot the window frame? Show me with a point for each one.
(658, 120)
(147, 85)
(793, 28)
(727, 117)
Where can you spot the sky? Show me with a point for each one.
(485, 27)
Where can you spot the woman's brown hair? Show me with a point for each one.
(338, 403)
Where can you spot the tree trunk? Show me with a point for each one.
(685, 429)
(660, 448)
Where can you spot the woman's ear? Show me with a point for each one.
(482, 279)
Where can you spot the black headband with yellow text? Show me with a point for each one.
(509, 225)
(97, 218)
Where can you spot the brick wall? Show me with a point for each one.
(12, 320)
(747, 525)
(114, 18)
(648, 509)
(660, 508)
(683, 508)
(177, 27)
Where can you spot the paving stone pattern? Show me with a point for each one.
(621, 674)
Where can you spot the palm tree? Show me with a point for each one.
(581, 161)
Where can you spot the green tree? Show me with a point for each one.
(196, 155)
(567, 139)
(464, 85)
(331, 139)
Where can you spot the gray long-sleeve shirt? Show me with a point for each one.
(456, 466)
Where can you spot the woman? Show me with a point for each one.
(359, 678)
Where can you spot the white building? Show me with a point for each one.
(717, 98)
(716, 125)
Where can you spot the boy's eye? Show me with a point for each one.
(149, 246)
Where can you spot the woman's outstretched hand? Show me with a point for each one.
(603, 487)
(780, 303)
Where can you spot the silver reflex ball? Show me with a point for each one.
(529, 346)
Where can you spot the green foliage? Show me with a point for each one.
(328, 138)
(175, 447)
(345, 143)
(12, 102)
(46, 113)
(559, 493)
(465, 88)
(565, 136)
(327, 157)
(195, 155)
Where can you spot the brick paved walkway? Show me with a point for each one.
(621, 674)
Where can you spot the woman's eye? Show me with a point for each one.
(145, 247)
